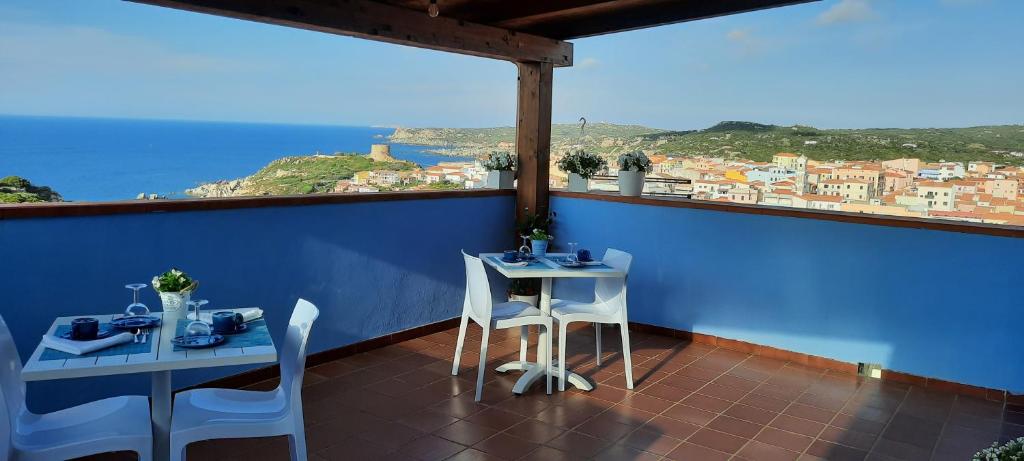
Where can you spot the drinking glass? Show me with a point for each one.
(571, 257)
(197, 327)
(525, 249)
(136, 308)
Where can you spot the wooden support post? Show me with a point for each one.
(533, 137)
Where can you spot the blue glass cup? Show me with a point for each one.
(510, 256)
(85, 328)
(584, 256)
(226, 321)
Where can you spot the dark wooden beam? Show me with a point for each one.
(377, 21)
(621, 15)
(533, 138)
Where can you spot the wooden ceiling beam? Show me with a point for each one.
(377, 21)
(621, 15)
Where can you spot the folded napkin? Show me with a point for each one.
(248, 315)
(85, 347)
(516, 264)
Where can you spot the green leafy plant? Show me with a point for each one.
(582, 163)
(634, 161)
(174, 281)
(1012, 450)
(533, 221)
(499, 161)
(524, 287)
(540, 234)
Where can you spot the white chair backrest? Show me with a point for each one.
(293, 354)
(478, 289)
(612, 291)
(12, 388)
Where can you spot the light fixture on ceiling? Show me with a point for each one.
(432, 10)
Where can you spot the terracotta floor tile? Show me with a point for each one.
(465, 433)
(808, 412)
(545, 453)
(784, 439)
(427, 420)
(737, 427)
(706, 403)
(535, 431)
(845, 421)
(564, 417)
(506, 446)
(900, 450)
(850, 438)
(578, 444)
(757, 451)
(735, 382)
(671, 427)
(833, 452)
(495, 418)
(723, 392)
(620, 452)
(472, 454)
(389, 434)
(665, 392)
(797, 425)
(653, 441)
(605, 428)
(690, 414)
(720, 441)
(765, 402)
(356, 449)
(696, 372)
(752, 414)
(690, 452)
(430, 448)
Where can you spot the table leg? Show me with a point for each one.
(161, 414)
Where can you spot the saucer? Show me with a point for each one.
(139, 321)
(239, 329)
(198, 342)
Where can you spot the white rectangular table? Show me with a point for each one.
(159, 361)
(546, 271)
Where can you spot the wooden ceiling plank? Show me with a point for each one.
(377, 21)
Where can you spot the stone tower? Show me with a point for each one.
(801, 175)
(381, 153)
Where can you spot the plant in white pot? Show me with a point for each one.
(581, 166)
(633, 168)
(524, 290)
(175, 289)
(539, 239)
(501, 170)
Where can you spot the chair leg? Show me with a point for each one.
(627, 360)
(548, 334)
(561, 355)
(483, 363)
(524, 338)
(145, 452)
(458, 344)
(597, 333)
(178, 452)
(297, 445)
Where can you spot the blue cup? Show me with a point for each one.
(584, 256)
(226, 322)
(85, 328)
(510, 256)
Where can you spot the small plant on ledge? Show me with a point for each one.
(633, 168)
(500, 166)
(581, 166)
(1012, 450)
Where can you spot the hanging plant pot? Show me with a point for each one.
(631, 183)
(501, 180)
(578, 183)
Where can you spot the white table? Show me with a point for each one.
(546, 271)
(159, 362)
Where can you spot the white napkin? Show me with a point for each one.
(248, 315)
(518, 264)
(84, 347)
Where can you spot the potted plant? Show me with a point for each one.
(500, 167)
(633, 168)
(581, 166)
(175, 289)
(1013, 449)
(539, 242)
(524, 290)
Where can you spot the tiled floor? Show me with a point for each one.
(691, 402)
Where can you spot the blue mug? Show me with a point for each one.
(85, 328)
(226, 321)
(510, 256)
(584, 256)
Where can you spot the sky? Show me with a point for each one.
(830, 64)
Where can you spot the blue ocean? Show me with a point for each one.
(93, 159)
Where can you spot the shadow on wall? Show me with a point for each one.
(930, 303)
(373, 268)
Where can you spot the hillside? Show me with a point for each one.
(297, 175)
(748, 140)
(14, 189)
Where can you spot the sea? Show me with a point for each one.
(97, 159)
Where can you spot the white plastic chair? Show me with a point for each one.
(609, 306)
(479, 307)
(206, 414)
(114, 424)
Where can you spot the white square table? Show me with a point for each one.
(546, 271)
(158, 362)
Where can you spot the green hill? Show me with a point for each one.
(14, 189)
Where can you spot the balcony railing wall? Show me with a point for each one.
(373, 268)
(933, 303)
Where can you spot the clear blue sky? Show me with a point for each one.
(836, 63)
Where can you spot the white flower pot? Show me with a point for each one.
(631, 183)
(500, 180)
(578, 183)
(531, 300)
(175, 305)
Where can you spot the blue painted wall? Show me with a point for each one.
(372, 269)
(937, 304)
